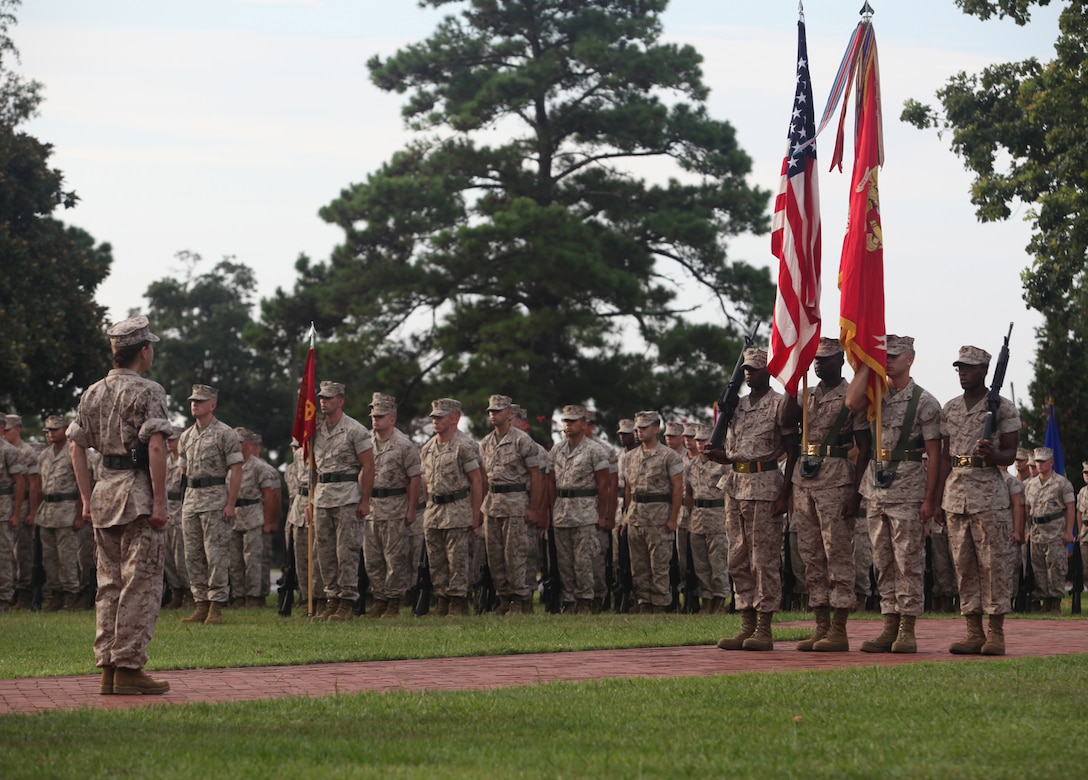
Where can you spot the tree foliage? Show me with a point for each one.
(53, 342)
(562, 184)
(1020, 129)
(204, 321)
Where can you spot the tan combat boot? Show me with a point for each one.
(377, 609)
(328, 610)
(215, 614)
(255, 602)
(975, 639)
(823, 624)
(747, 628)
(22, 601)
(717, 606)
(836, 640)
(583, 607)
(53, 604)
(127, 682)
(761, 639)
(200, 614)
(458, 606)
(344, 611)
(503, 607)
(526, 605)
(995, 642)
(176, 597)
(443, 608)
(905, 642)
(392, 609)
(71, 602)
(883, 643)
(105, 687)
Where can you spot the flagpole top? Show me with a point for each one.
(866, 11)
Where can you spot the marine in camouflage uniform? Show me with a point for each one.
(124, 417)
(674, 440)
(580, 469)
(1082, 515)
(393, 508)
(898, 512)
(12, 496)
(709, 543)
(511, 464)
(604, 534)
(976, 503)
(211, 459)
(59, 519)
(1050, 504)
(297, 477)
(825, 500)
(755, 490)
(533, 531)
(177, 576)
(23, 532)
(454, 485)
(654, 497)
(257, 510)
(344, 458)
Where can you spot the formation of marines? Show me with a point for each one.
(202, 505)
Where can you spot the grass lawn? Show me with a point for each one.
(1010, 718)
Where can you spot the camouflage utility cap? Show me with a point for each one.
(382, 404)
(574, 412)
(673, 428)
(626, 426)
(702, 432)
(646, 419)
(689, 429)
(973, 356)
(897, 345)
(203, 393)
(498, 403)
(1022, 453)
(828, 348)
(134, 330)
(755, 358)
(440, 407)
(13, 420)
(55, 423)
(1043, 453)
(246, 435)
(331, 390)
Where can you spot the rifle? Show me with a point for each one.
(691, 582)
(609, 577)
(486, 600)
(37, 572)
(551, 589)
(993, 398)
(727, 403)
(1026, 584)
(788, 579)
(288, 577)
(1076, 576)
(421, 605)
(625, 583)
(674, 580)
(359, 607)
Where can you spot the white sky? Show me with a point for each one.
(222, 126)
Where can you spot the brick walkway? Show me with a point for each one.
(1023, 638)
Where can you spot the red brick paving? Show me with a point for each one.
(1023, 638)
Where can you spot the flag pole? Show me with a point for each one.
(311, 470)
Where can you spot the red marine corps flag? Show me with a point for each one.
(795, 239)
(306, 413)
(861, 267)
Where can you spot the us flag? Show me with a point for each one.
(795, 240)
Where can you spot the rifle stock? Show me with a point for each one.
(288, 577)
(421, 605)
(727, 403)
(993, 398)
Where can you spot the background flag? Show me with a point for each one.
(795, 240)
(861, 267)
(306, 412)
(1053, 440)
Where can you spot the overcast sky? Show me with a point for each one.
(222, 126)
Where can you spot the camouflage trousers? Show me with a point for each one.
(710, 557)
(177, 576)
(413, 549)
(797, 563)
(682, 562)
(863, 558)
(385, 551)
(980, 545)
(600, 580)
(941, 555)
(7, 555)
(246, 554)
(1049, 560)
(266, 563)
(507, 555)
(535, 561)
(60, 558)
(22, 539)
(449, 551)
(207, 554)
(338, 544)
(129, 560)
(899, 556)
(576, 551)
(86, 558)
(651, 549)
(302, 564)
(755, 553)
(825, 545)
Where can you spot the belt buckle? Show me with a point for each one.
(812, 450)
(885, 454)
(742, 468)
